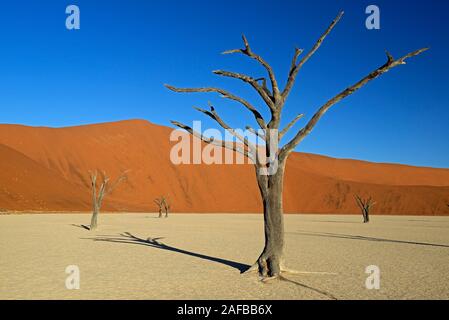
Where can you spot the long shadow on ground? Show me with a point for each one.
(128, 238)
(82, 226)
(154, 243)
(354, 237)
(322, 292)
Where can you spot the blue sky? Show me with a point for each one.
(115, 66)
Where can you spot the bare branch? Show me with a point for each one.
(104, 177)
(223, 144)
(293, 65)
(227, 95)
(264, 86)
(262, 90)
(391, 63)
(93, 179)
(123, 177)
(360, 202)
(256, 133)
(291, 124)
(214, 115)
(296, 67)
(248, 52)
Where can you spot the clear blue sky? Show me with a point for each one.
(114, 68)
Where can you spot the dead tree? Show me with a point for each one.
(98, 195)
(365, 206)
(160, 204)
(269, 263)
(163, 204)
(167, 205)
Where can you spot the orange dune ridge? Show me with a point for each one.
(46, 169)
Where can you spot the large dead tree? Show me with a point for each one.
(98, 195)
(270, 261)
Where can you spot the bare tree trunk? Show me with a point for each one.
(95, 209)
(94, 220)
(366, 217)
(270, 260)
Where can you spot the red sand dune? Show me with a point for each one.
(46, 169)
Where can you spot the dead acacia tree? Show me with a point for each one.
(98, 195)
(167, 205)
(269, 263)
(163, 205)
(160, 205)
(365, 206)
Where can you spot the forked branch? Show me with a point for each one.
(295, 67)
(248, 52)
(224, 144)
(259, 133)
(261, 89)
(391, 63)
(214, 115)
(291, 124)
(224, 94)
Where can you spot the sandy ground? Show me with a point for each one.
(200, 257)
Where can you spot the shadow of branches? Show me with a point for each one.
(363, 238)
(128, 238)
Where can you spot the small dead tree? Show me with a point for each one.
(270, 262)
(160, 204)
(98, 195)
(365, 205)
(167, 205)
(163, 204)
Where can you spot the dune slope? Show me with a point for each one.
(57, 162)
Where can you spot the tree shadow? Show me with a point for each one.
(324, 293)
(82, 226)
(354, 237)
(128, 238)
(335, 221)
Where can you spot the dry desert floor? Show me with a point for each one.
(193, 256)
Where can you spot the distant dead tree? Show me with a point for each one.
(167, 205)
(160, 204)
(163, 203)
(98, 195)
(270, 176)
(365, 205)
